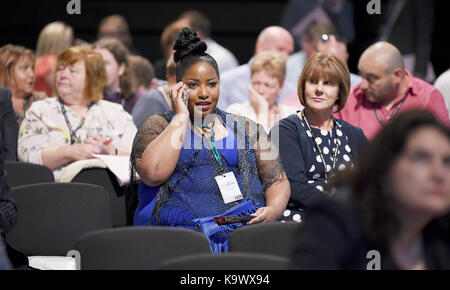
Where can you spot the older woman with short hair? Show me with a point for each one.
(312, 143)
(268, 71)
(77, 123)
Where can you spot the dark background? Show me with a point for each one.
(235, 24)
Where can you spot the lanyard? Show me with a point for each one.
(318, 147)
(212, 142)
(395, 111)
(73, 133)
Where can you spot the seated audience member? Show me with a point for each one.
(200, 23)
(309, 42)
(9, 257)
(156, 100)
(313, 144)
(115, 55)
(168, 37)
(53, 39)
(8, 126)
(268, 70)
(330, 44)
(138, 79)
(116, 26)
(443, 85)
(17, 74)
(298, 14)
(235, 82)
(189, 158)
(387, 89)
(77, 122)
(391, 212)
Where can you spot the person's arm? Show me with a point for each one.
(436, 104)
(35, 144)
(273, 178)
(151, 103)
(55, 157)
(160, 157)
(10, 128)
(303, 191)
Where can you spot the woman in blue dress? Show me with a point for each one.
(199, 162)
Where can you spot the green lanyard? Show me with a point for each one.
(212, 142)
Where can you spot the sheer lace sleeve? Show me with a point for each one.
(270, 169)
(149, 130)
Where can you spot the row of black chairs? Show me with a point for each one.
(22, 173)
(55, 218)
(58, 217)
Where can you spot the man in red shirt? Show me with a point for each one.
(387, 88)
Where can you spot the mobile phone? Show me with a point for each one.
(186, 96)
(227, 219)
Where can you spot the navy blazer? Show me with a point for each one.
(297, 156)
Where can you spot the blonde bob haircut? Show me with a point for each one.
(96, 77)
(270, 62)
(54, 38)
(322, 66)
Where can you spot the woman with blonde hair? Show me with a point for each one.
(53, 39)
(268, 71)
(76, 123)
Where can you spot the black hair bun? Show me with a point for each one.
(188, 43)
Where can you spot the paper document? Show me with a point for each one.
(119, 165)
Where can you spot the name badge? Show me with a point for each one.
(229, 188)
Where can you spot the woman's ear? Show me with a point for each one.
(122, 68)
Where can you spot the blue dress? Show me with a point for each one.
(191, 197)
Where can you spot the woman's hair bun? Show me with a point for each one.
(188, 43)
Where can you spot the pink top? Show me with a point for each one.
(361, 113)
(44, 66)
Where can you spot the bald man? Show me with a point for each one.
(386, 90)
(234, 82)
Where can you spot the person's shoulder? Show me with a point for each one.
(46, 102)
(237, 108)
(290, 121)
(110, 105)
(152, 94)
(351, 128)
(4, 92)
(236, 73)
(114, 110)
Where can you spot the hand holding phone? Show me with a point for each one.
(186, 96)
(227, 219)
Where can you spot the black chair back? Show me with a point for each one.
(23, 173)
(230, 261)
(137, 248)
(275, 238)
(107, 179)
(52, 216)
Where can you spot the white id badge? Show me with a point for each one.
(229, 188)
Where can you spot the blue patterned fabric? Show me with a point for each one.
(191, 198)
